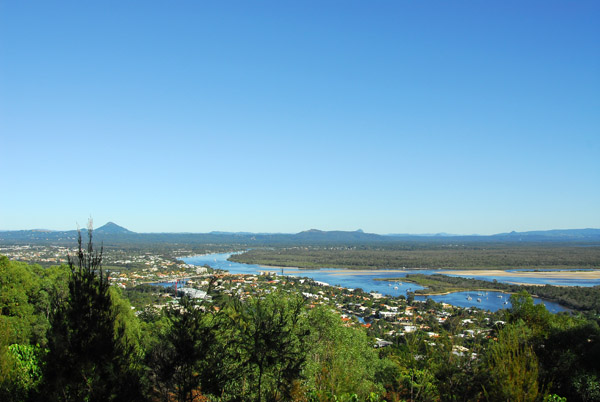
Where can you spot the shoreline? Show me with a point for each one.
(464, 290)
(528, 274)
(475, 273)
(274, 267)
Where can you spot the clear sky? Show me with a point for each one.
(280, 116)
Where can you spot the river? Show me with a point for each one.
(366, 280)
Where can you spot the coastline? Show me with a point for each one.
(275, 267)
(338, 271)
(528, 274)
(463, 290)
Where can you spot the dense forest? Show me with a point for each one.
(66, 335)
(445, 256)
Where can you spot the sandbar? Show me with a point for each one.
(275, 267)
(589, 274)
(595, 274)
(337, 271)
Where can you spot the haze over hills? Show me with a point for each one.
(556, 233)
(112, 233)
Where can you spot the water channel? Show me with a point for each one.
(366, 280)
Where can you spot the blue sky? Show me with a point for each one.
(270, 116)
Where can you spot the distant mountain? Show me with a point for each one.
(336, 236)
(556, 234)
(441, 234)
(112, 234)
(218, 232)
(112, 228)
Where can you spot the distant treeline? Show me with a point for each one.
(574, 297)
(448, 256)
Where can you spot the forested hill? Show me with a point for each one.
(111, 233)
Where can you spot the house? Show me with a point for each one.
(381, 343)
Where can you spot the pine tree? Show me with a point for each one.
(86, 360)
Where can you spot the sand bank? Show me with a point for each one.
(336, 271)
(528, 274)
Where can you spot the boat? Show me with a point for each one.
(469, 298)
(396, 287)
(500, 296)
(479, 299)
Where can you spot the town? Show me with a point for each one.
(384, 318)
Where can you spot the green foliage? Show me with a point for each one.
(587, 386)
(249, 351)
(20, 371)
(27, 371)
(341, 360)
(24, 301)
(554, 398)
(142, 296)
(419, 385)
(179, 361)
(272, 345)
(513, 366)
(536, 316)
(127, 328)
(569, 354)
(86, 360)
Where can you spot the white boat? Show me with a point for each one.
(479, 299)
(469, 298)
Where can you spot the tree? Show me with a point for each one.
(513, 366)
(537, 317)
(341, 360)
(180, 358)
(569, 358)
(23, 374)
(272, 345)
(19, 304)
(86, 359)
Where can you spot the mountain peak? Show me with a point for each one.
(112, 228)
